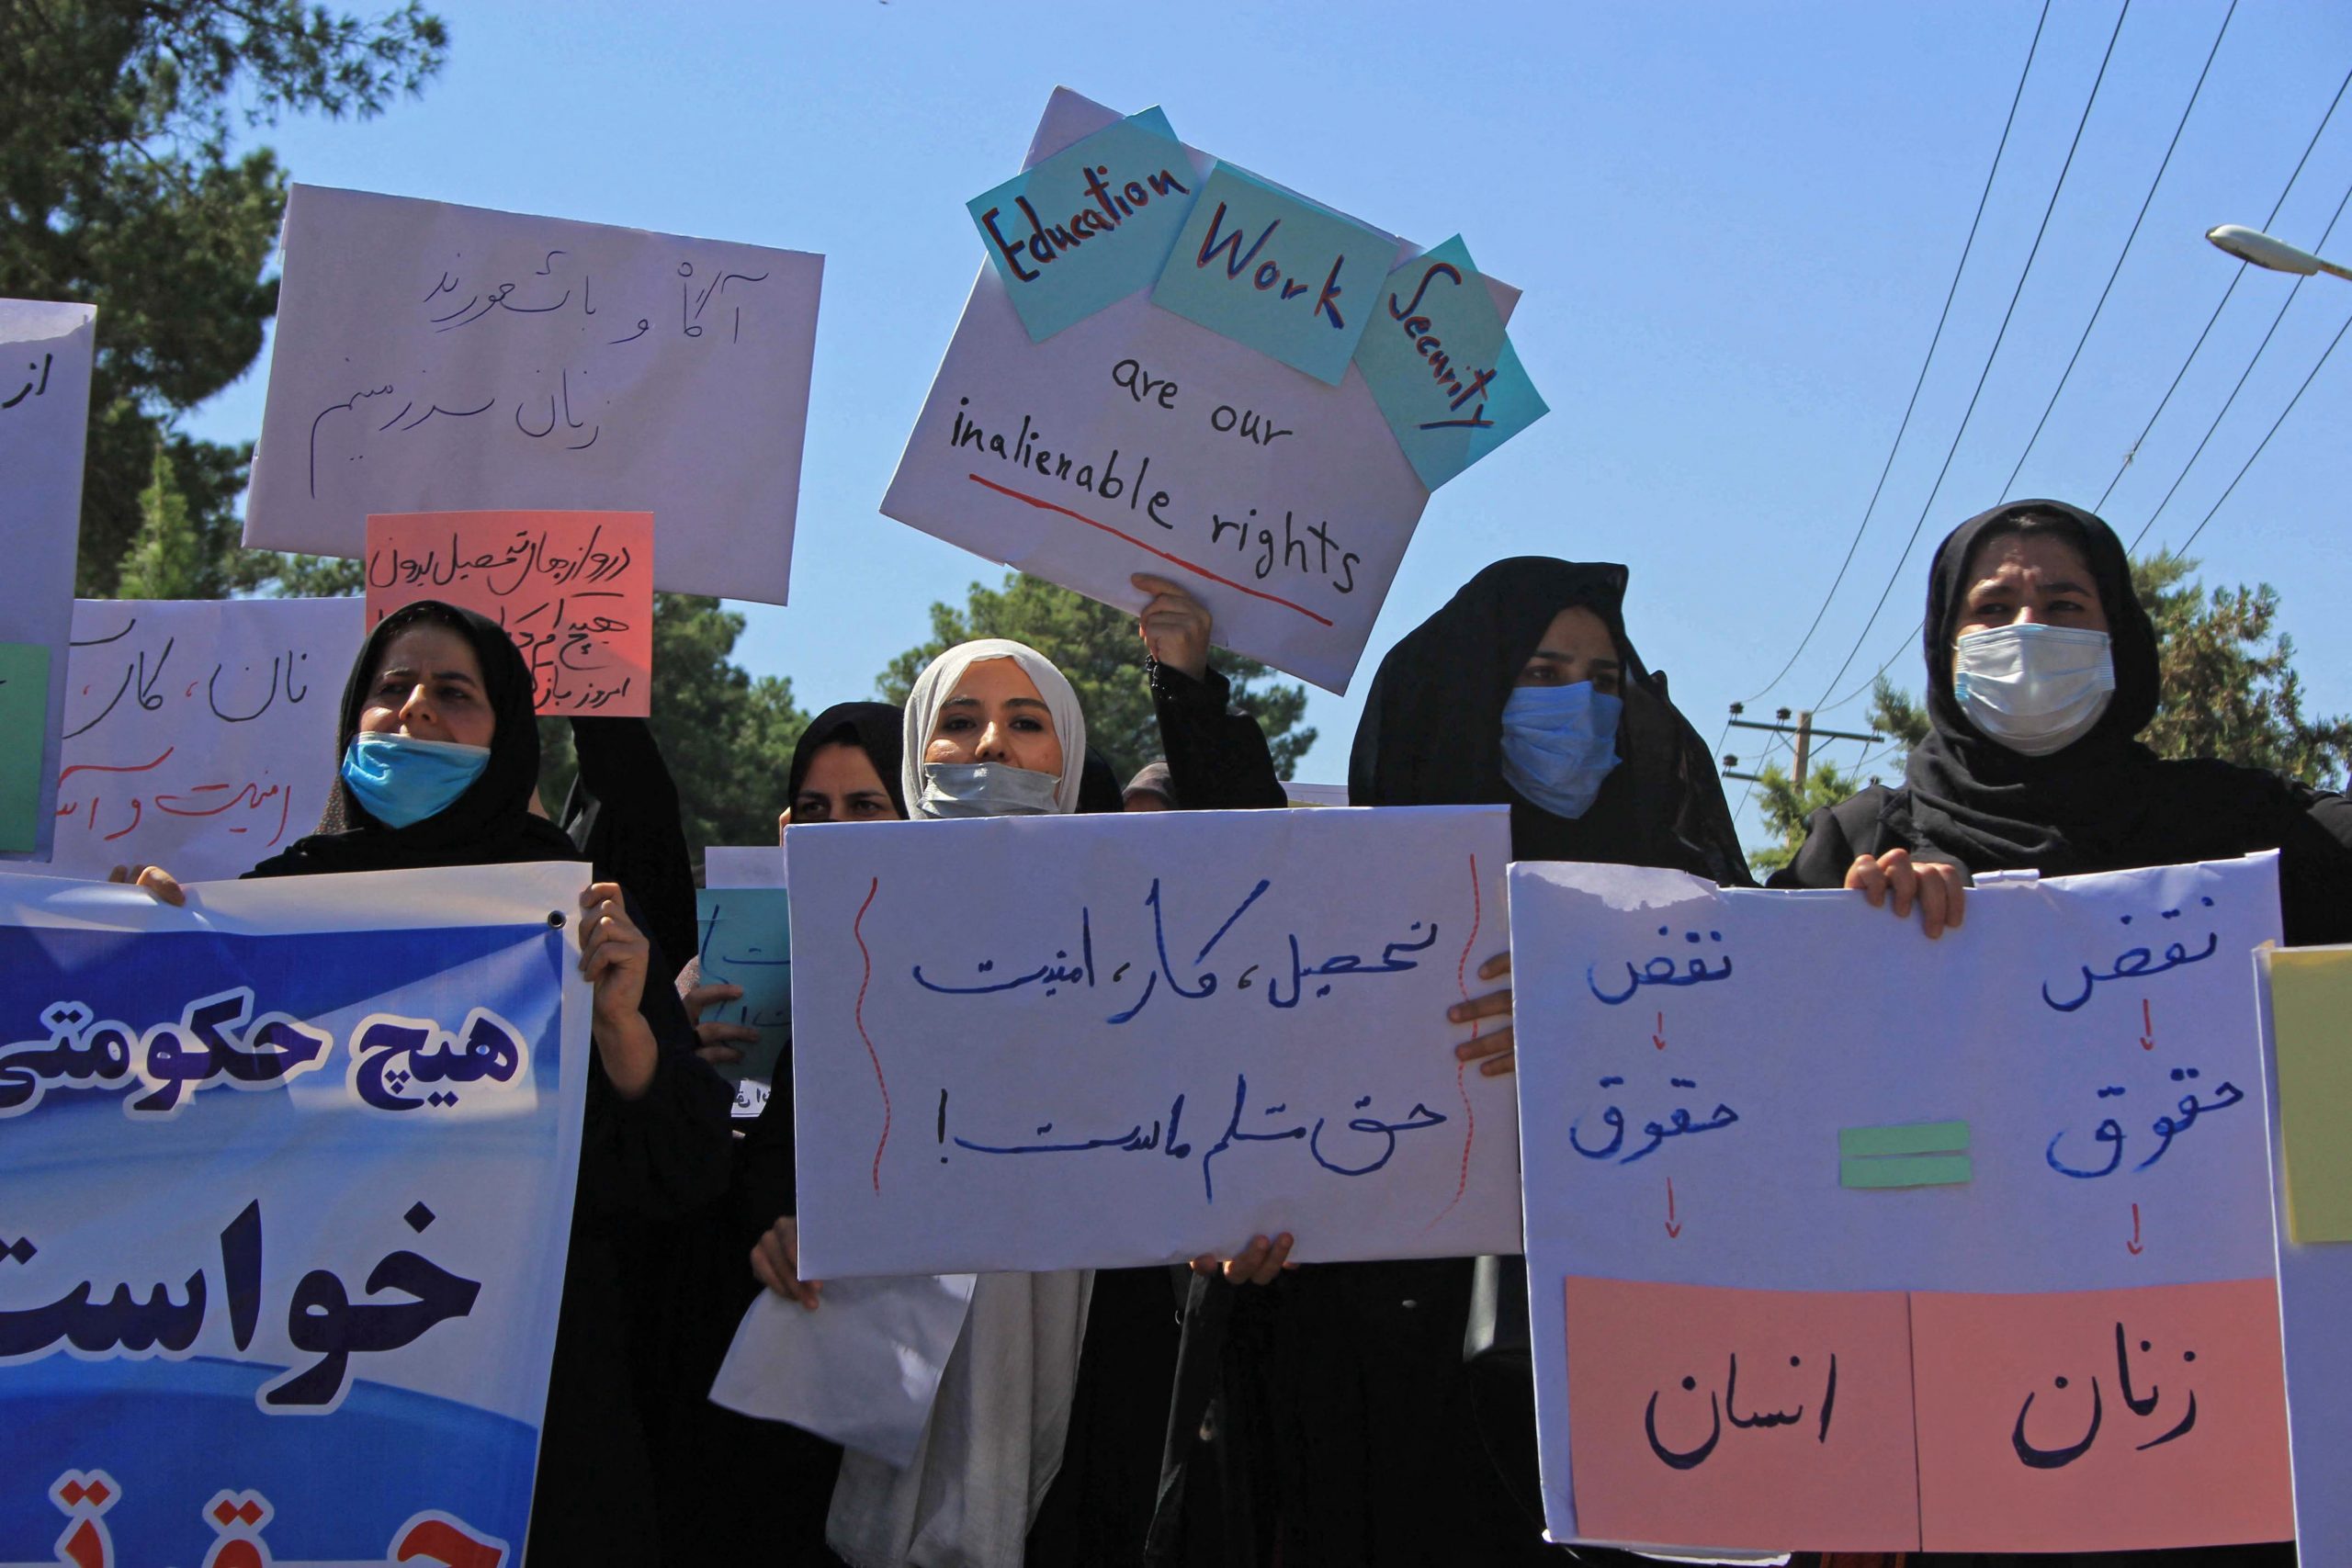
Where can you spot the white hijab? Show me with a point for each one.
(994, 1441)
(943, 674)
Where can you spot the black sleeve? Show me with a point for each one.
(668, 1151)
(765, 1185)
(2315, 868)
(1217, 759)
(623, 813)
(1835, 836)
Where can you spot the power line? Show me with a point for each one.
(2145, 202)
(2165, 401)
(1983, 197)
(2132, 451)
(2231, 401)
(2266, 439)
(1895, 576)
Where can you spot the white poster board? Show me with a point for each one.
(45, 357)
(2314, 1255)
(199, 734)
(431, 358)
(1119, 1039)
(1136, 440)
(1766, 1129)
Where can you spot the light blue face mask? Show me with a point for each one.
(1559, 743)
(985, 789)
(401, 780)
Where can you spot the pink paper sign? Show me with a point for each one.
(2101, 1420)
(1714, 1416)
(573, 588)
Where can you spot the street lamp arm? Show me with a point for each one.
(2254, 246)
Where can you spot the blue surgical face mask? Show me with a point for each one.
(1559, 742)
(401, 780)
(985, 789)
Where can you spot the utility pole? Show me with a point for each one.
(1805, 736)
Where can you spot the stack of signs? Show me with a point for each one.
(431, 358)
(2307, 996)
(1959, 1245)
(1173, 367)
(743, 932)
(45, 357)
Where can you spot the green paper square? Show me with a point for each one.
(24, 724)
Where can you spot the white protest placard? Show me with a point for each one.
(1841, 1239)
(2307, 1025)
(431, 358)
(199, 734)
(45, 357)
(1135, 440)
(1134, 1039)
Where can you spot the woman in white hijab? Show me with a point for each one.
(992, 730)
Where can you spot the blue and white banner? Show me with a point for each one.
(285, 1182)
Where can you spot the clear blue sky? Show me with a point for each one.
(1735, 225)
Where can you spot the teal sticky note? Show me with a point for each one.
(1441, 365)
(1090, 225)
(1288, 277)
(746, 935)
(24, 720)
(1905, 1170)
(1907, 1138)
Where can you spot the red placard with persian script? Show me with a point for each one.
(573, 588)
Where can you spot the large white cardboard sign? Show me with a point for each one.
(1136, 440)
(199, 734)
(1842, 1239)
(431, 358)
(1106, 1041)
(45, 357)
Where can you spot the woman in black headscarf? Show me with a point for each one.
(1524, 691)
(439, 755)
(2031, 759)
(2041, 671)
(845, 768)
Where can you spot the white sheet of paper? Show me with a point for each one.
(862, 1369)
(1288, 522)
(1817, 1014)
(753, 865)
(45, 356)
(432, 358)
(199, 734)
(1108, 1041)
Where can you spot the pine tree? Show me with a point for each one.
(118, 188)
(167, 559)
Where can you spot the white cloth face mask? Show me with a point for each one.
(2036, 689)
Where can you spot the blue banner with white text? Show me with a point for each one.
(282, 1222)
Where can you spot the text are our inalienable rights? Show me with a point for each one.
(1284, 504)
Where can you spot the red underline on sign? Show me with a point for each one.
(1163, 555)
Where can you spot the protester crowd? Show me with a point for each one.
(1243, 1409)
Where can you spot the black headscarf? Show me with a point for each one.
(2106, 802)
(490, 824)
(1098, 786)
(1431, 733)
(876, 728)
